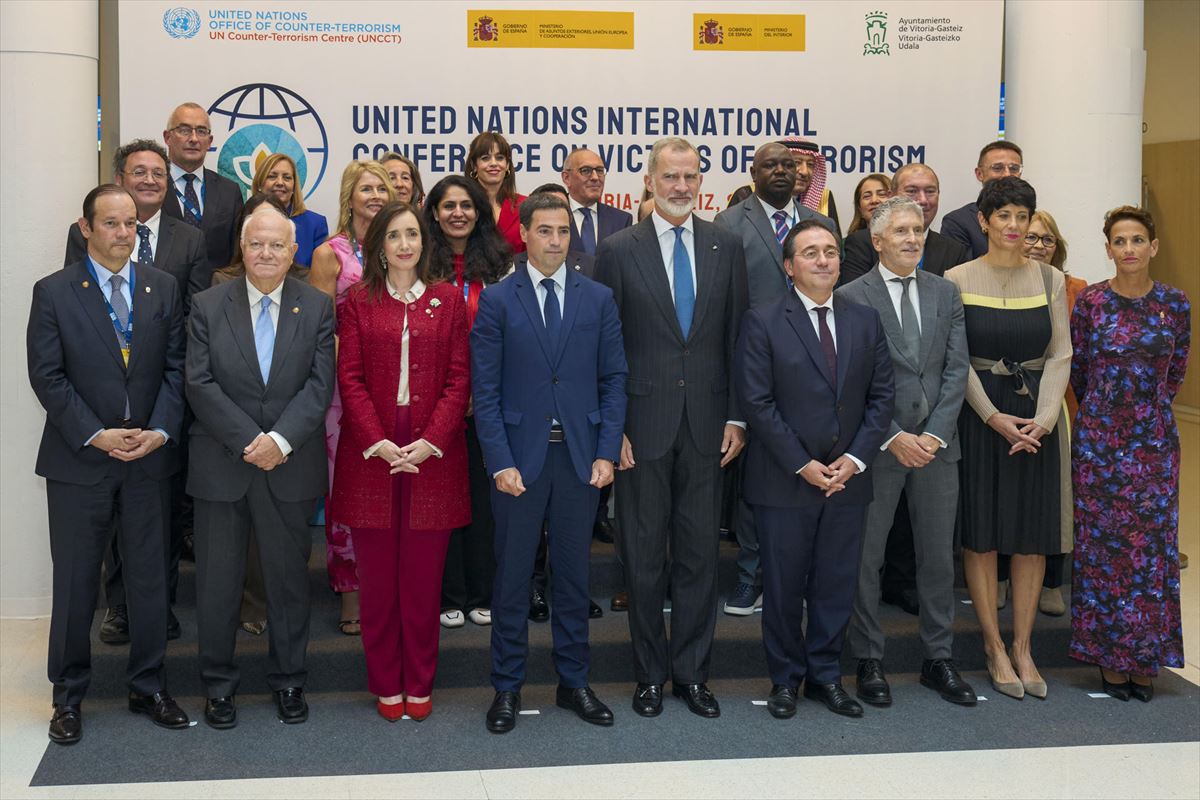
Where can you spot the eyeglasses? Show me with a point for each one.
(1001, 169)
(588, 172)
(1049, 240)
(142, 172)
(276, 248)
(186, 131)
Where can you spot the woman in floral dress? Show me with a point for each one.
(1130, 336)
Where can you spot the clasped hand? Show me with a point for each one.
(832, 478)
(1023, 434)
(404, 459)
(263, 453)
(912, 450)
(128, 444)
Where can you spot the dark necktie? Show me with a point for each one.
(145, 254)
(121, 309)
(191, 212)
(827, 345)
(587, 232)
(551, 312)
(685, 291)
(908, 319)
(781, 225)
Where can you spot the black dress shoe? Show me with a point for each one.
(290, 705)
(941, 674)
(115, 627)
(220, 712)
(160, 707)
(173, 629)
(834, 697)
(539, 611)
(1119, 691)
(620, 602)
(1141, 691)
(872, 686)
(594, 611)
(699, 699)
(782, 701)
(66, 726)
(502, 716)
(905, 599)
(647, 699)
(602, 531)
(584, 703)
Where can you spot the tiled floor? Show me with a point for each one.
(1171, 770)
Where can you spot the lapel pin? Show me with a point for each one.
(86, 284)
(147, 290)
(714, 247)
(577, 267)
(295, 309)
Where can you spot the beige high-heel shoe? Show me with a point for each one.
(1013, 689)
(1032, 688)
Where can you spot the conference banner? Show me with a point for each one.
(875, 84)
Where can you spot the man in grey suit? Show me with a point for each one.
(922, 316)
(762, 221)
(680, 286)
(259, 378)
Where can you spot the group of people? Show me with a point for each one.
(463, 374)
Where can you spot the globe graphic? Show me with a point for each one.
(258, 119)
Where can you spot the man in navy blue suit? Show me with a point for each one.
(814, 378)
(548, 374)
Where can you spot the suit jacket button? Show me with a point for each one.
(549, 418)
(411, 367)
(916, 405)
(835, 438)
(839, 407)
(413, 332)
(680, 383)
(416, 398)
(555, 380)
(687, 352)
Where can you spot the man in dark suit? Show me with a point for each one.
(105, 353)
(922, 315)
(259, 378)
(172, 246)
(591, 221)
(680, 285)
(919, 183)
(814, 379)
(548, 374)
(997, 159)
(197, 195)
(761, 221)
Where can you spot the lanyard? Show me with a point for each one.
(187, 204)
(125, 334)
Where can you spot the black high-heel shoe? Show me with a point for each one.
(1120, 691)
(1143, 692)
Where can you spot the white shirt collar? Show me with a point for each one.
(661, 226)
(576, 205)
(178, 172)
(770, 210)
(256, 296)
(888, 275)
(411, 296)
(810, 304)
(153, 223)
(559, 277)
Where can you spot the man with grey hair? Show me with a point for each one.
(260, 376)
(680, 287)
(922, 316)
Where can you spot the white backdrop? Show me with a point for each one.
(331, 81)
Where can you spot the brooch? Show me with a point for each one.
(147, 290)
(434, 303)
(295, 309)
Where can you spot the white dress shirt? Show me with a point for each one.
(256, 297)
(153, 224)
(560, 286)
(811, 307)
(665, 232)
(771, 211)
(180, 185)
(577, 216)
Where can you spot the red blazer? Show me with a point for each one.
(439, 385)
(509, 223)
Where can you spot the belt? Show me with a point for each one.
(556, 434)
(1024, 383)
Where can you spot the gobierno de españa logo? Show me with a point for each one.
(181, 23)
(257, 120)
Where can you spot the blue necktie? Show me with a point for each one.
(192, 212)
(685, 292)
(264, 338)
(145, 254)
(587, 233)
(551, 313)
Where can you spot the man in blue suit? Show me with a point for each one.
(814, 378)
(591, 221)
(548, 374)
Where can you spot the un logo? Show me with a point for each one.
(257, 120)
(181, 23)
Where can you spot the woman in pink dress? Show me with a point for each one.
(337, 265)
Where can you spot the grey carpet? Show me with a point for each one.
(344, 735)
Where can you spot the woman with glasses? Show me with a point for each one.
(489, 163)
(1014, 473)
(405, 178)
(1131, 336)
(277, 176)
(338, 265)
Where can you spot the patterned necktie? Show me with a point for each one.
(121, 309)
(827, 345)
(685, 291)
(145, 254)
(551, 312)
(781, 225)
(908, 319)
(191, 211)
(264, 338)
(587, 232)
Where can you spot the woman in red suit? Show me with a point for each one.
(489, 161)
(400, 480)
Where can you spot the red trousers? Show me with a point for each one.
(400, 591)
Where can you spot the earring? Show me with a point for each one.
(473, 174)
(383, 260)
(982, 228)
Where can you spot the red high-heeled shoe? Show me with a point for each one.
(418, 711)
(390, 711)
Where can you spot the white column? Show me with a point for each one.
(1074, 79)
(48, 67)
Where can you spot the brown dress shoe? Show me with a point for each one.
(620, 602)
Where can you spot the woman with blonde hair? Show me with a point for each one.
(277, 176)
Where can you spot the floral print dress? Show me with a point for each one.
(1130, 355)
